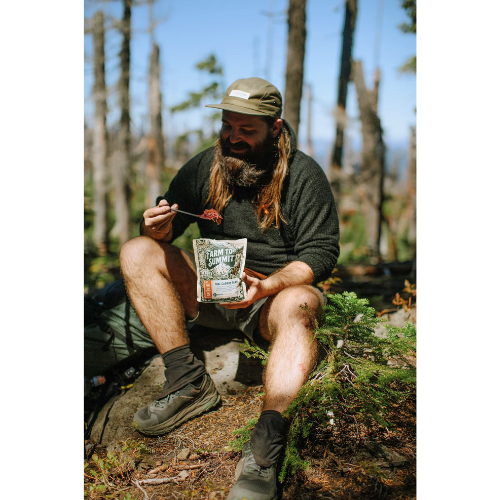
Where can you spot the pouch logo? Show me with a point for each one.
(218, 256)
(239, 93)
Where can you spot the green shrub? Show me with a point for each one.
(361, 375)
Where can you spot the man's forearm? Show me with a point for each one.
(294, 273)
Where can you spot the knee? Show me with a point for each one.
(302, 300)
(136, 253)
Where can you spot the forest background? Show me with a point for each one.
(145, 114)
(41, 122)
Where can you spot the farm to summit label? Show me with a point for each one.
(219, 267)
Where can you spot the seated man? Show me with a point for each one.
(280, 200)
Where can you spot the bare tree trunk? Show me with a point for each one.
(310, 148)
(412, 189)
(372, 159)
(295, 62)
(121, 161)
(99, 139)
(351, 9)
(156, 154)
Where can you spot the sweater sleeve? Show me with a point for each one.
(315, 220)
(186, 190)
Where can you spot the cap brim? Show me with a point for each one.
(236, 109)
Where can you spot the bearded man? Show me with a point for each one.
(280, 200)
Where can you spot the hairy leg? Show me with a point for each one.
(293, 351)
(161, 283)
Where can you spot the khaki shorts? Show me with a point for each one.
(218, 317)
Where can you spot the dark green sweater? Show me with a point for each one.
(311, 234)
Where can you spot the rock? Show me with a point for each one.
(146, 463)
(183, 474)
(183, 454)
(222, 364)
(113, 447)
(118, 422)
(362, 455)
(394, 457)
(398, 318)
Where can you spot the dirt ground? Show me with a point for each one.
(348, 462)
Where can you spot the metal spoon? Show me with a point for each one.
(187, 213)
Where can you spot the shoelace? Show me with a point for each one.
(163, 401)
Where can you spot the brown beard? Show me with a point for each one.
(249, 169)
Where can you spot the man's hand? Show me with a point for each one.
(294, 273)
(255, 291)
(158, 221)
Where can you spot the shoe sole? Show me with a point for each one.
(199, 406)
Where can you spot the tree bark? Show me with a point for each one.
(295, 62)
(372, 160)
(351, 9)
(99, 152)
(156, 154)
(121, 160)
(411, 202)
(310, 147)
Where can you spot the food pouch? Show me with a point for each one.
(219, 266)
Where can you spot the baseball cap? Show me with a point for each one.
(251, 96)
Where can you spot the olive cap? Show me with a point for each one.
(251, 96)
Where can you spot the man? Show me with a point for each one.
(280, 200)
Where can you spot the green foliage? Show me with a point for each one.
(101, 474)
(242, 435)
(212, 90)
(210, 65)
(254, 351)
(360, 377)
(410, 6)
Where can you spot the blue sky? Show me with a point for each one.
(238, 33)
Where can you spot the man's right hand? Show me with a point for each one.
(158, 221)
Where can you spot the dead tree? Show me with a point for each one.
(121, 160)
(351, 9)
(371, 175)
(156, 154)
(295, 62)
(310, 148)
(99, 153)
(411, 201)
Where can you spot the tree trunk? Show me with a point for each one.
(411, 202)
(310, 147)
(295, 62)
(156, 155)
(351, 9)
(121, 160)
(372, 160)
(99, 152)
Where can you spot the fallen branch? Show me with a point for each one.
(188, 467)
(161, 468)
(146, 497)
(160, 480)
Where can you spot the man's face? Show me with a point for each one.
(247, 145)
(244, 134)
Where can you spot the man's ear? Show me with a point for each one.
(277, 127)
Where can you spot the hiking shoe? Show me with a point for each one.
(165, 414)
(253, 482)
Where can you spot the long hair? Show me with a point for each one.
(267, 204)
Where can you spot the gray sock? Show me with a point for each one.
(268, 437)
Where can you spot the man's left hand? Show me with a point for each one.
(255, 291)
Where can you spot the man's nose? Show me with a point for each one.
(235, 136)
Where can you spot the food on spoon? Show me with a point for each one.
(212, 214)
